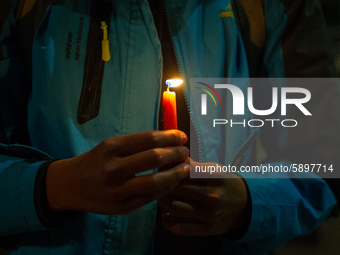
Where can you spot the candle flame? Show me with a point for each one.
(173, 82)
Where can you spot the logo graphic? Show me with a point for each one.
(228, 13)
(204, 97)
(239, 101)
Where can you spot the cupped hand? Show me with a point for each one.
(205, 207)
(104, 179)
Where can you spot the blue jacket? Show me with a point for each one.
(64, 121)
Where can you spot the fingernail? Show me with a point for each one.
(187, 168)
(184, 138)
(167, 216)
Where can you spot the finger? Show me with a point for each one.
(152, 183)
(184, 226)
(183, 208)
(209, 194)
(204, 176)
(214, 173)
(134, 143)
(192, 190)
(134, 202)
(204, 194)
(152, 158)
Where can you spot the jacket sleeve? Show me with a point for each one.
(19, 164)
(283, 208)
(17, 211)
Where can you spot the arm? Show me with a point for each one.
(103, 180)
(18, 164)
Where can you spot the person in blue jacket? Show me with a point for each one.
(80, 129)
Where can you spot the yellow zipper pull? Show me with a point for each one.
(105, 43)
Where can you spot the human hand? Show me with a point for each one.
(103, 180)
(205, 207)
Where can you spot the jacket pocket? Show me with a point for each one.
(89, 102)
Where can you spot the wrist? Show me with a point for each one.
(56, 187)
(49, 218)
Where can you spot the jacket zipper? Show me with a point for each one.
(181, 74)
(89, 102)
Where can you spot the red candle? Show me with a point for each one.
(169, 105)
(169, 110)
